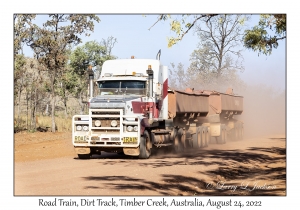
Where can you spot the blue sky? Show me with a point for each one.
(135, 38)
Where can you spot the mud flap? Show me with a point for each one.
(131, 151)
(82, 150)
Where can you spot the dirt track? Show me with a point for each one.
(45, 164)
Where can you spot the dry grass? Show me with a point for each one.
(62, 124)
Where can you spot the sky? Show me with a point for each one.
(134, 38)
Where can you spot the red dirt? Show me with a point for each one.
(41, 159)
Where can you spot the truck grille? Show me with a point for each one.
(110, 121)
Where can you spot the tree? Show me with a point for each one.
(22, 24)
(218, 58)
(259, 38)
(182, 25)
(90, 54)
(50, 45)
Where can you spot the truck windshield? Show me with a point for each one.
(121, 87)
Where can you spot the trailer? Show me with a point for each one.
(136, 111)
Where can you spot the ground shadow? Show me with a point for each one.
(255, 163)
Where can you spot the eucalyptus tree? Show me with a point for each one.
(22, 24)
(263, 37)
(50, 45)
(218, 58)
(93, 54)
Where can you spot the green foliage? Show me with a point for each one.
(181, 24)
(51, 44)
(19, 63)
(265, 36)
(262, 38)
(22, 24)
(93, 54)
(88, 54)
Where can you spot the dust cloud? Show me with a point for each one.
(264, 111)
(264, 105)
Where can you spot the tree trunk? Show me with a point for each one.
(53, 112)
(65, 104)
(81, 104)
(27, 99)
(19, 105)
(34, 110)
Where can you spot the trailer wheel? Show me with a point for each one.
(197, 138)
(221, 138)
(178, 145)
(232, 134)
(84, 156)
(145, 146)
(238, 131)
(224, 135)
(206, 137)
(195, 141)
(242, 132)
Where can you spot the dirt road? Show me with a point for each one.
(45, 164)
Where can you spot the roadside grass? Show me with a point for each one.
(63, 124)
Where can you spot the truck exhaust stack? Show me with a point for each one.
(91, 81)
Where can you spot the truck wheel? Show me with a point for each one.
(195, 141)
(84, 156)
(232, 134)
(242, 132)
(145, 146)
(178, 146)
(224, 136)
(206, 137)
(203, 138)
(238, 131)
(220, 139)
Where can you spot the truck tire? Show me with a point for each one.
(178, 145)
(238, 131)
(145, 146)
(84, 156)
(242, 131)
(219, 138)
(223, 135)
(232, 134)
(198, 142)
(206, 134)
(195, 141)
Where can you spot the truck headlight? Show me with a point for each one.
(78, 127)
(114, 123)
(135, 128)
(85, 128)
(97, 123)
(129, 128)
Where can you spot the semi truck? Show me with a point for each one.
(135, 111)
